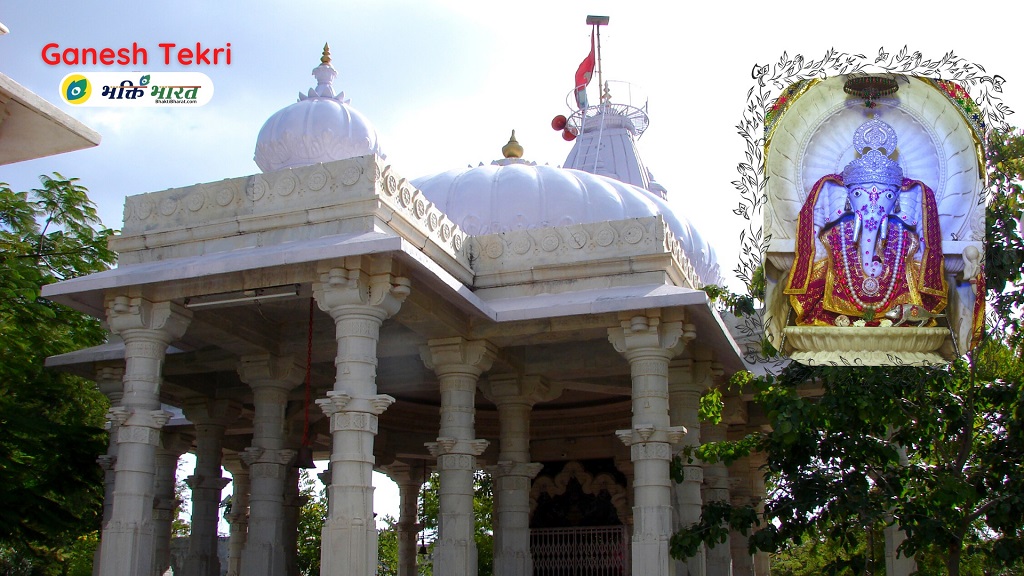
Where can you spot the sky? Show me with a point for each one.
(445, 82)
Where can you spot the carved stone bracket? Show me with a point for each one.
(648, 332)
(642, 433)
(523, 469)
(255, 455)
(458, 354)
(335, 402)
(341, 287)
(446, 445)
(125, 313)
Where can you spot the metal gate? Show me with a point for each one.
(594, 551)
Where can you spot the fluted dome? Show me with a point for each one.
(513, 194)
(320, 127)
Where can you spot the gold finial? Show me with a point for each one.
(326, 58)
(513, 149)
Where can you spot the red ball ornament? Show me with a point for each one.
(568, 135)
(558, 122)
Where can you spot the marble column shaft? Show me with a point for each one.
(110, 381)
(458, 364)
(359, 297)
(271, 378)
(238, 518)
(688, 380)
(408, 478)
(514, 396)
(648, 344)
(210, 418)
(147, 329)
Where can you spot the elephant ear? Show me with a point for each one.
(911, 206)
(831, 204)
(830, 207)
(912, 209)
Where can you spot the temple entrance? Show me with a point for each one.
(576, 526)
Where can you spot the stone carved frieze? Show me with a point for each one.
(594, 241)
(290, 198)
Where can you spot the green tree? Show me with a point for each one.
(50, 423)
(483, 506)
(312, 516)
(935, 451)
(387, 547)
(1004, 255)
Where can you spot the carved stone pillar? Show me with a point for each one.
(147, 328)
(458, 364)
(172, 446)
(271, 378)
(110, 381)
(408, 478)
(238, 518)
(649, 344)
(716, 489)
(210, 418)
(687, 381)
(514, 397)
(359, 298)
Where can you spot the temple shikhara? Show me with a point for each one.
(545, 325)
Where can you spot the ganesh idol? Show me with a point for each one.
(868, 240)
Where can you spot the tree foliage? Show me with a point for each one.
(50, 423)
(1004, 255)
(312, 516)
(483, 506)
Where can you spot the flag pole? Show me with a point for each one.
(597, 22)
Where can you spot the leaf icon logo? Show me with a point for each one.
(144, 81)
(76, 89)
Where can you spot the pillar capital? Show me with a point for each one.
(126, 314)
(458, 355)
(359, 283)
(212, 412)
(270, 371)
(646, 333)
(515, 389)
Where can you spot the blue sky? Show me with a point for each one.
(445, 81)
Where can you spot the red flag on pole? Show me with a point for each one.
(583, 75)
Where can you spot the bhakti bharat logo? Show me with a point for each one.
(75, 89)
(137, 89)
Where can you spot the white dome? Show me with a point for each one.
(320, 127)
(514, 195)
